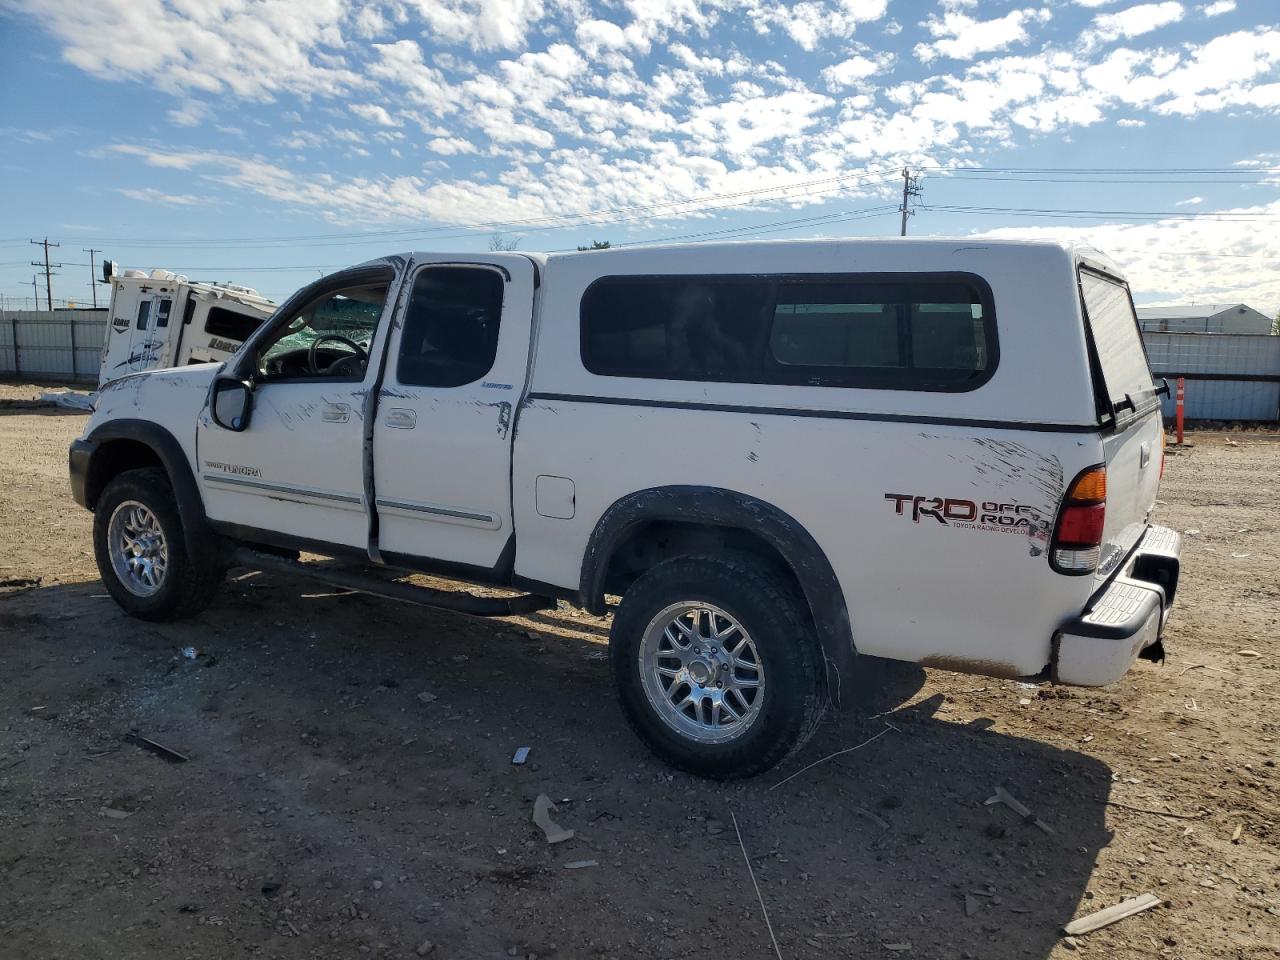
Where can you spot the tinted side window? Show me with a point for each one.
(227, 323)
(450, 334)
(927, 332)
(162, 313)
(144, 314)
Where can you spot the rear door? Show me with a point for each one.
(456, 367)
(1134, 446)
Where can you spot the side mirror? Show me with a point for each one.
(232, 403)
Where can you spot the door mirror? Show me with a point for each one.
(232, 403)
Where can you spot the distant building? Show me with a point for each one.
(1204, 318)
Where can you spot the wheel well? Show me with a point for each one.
(650, 542)
(115, 457)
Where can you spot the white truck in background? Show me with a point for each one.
(162, 319)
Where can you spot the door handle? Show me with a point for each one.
(401, 418)
(336, 413)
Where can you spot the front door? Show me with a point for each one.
(298, 468)
(455, 371)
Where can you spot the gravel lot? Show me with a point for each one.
(326, 810)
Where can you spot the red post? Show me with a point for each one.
(1179, 406)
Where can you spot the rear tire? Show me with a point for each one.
(716, 663)
(142, 553)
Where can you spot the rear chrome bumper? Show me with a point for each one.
(1125, 617)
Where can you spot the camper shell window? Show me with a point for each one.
(144, 314)
(222, 322)
(1117, 342)
(931, 332)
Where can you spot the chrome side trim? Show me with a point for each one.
(281, 489)
(489, 520)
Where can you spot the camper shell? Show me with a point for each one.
(161, 319)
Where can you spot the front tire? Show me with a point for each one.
(715, 662)
(142, 554)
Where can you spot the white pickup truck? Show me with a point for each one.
(780, 456)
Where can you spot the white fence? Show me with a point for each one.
(1229, 376)
(52, 344)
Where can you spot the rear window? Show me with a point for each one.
(1116, 338)
(227, 323)
(903, 332)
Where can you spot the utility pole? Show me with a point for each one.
(35, 294)
(910, 188)
(48, 273)
(93, 274)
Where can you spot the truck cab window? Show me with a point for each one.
(450, 333)
(328, 339)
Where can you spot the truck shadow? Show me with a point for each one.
(384, 733)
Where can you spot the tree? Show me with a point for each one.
(597, 245)
(498, 242)
(1275, 325)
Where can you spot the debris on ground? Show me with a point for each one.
(752, 873)
(832, 756)
(425, 947)
(580, 864)
(542, 808)
(1003, 796)
(20, 583)
(522, 754)
(897, 947)
(70, 400)
(159, 749)
(115, 813)
(1235, 834)
(425, 697)
(190, 653)
(1248, 653)
(1104, 918)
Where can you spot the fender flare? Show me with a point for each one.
(715, 506)
(195, 528)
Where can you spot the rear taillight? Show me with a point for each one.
(1077, 536)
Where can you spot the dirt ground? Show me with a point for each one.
(327, 810)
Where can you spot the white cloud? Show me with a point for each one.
(849, 73)
(1136, 21)
(960, 37)
(451, 146)
(374, 113)
(152, 195)
(1130, 122)
(192, 113)
(1218, 8)
(254, 51)
(1189, 202)
(1198, 259)
(481, 24)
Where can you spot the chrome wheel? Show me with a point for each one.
(136, 544)
(701, 672)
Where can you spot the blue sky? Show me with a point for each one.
(266, 141)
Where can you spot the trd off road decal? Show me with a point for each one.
(990, 516)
